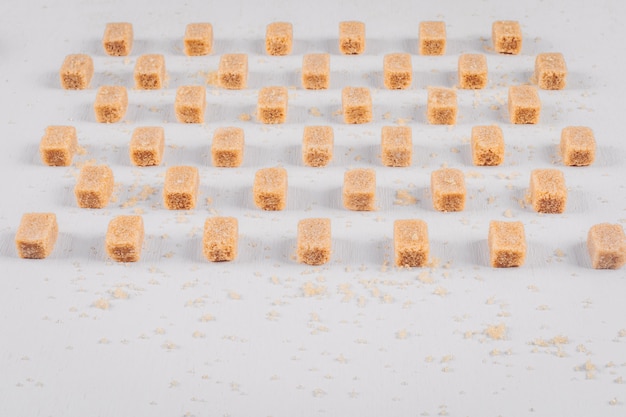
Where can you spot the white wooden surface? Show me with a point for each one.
(263, 335)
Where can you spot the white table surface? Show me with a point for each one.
(174, 335)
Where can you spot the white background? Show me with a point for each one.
(174, 335)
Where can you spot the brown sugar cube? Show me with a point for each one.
(124, 238)
(441, 106)
(447, 186)
(198, 39)
(606, 244)
(316, 71)
(351, 38)
(548, 193)
(181, 188)
(314, 241)
(118, 39)
(270, 189)
(278, 38)
(472, 71)
(410, 243)
(578, 146)
(232, 72)
(487, 145)
(357, 105)
(272, 105)
(36, 235)
(432, 38)
(317, 145)
(190, 104)
(94, 187)
(507, 37)
(396, 146)
(227, 147)
(359, 189)
(111, 103)
(524, 104)
(58, 145)
(76, 72)
(550, 71)
(398, 71)
(219, 241)
(150, 72)
(147, 145)
(507, 244)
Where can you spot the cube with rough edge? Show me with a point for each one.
(36, 235)
(548, 193)
(124, 238)
(76, 72)
(396, 146)
(410, 243)
(441, 106)
(232, 72)
(272, 105)
(507, 37)
(578, 146)
(359, 189)
(317, 145)
(279, 38)
(118, 39)
(147, 145)
(94, 186)
(397, 71)
(351, 37)
(227, 147)
(316, 71)
(190, 104)
(487, 145)
(447, 186)
(507, 244)
(606, 244)
(270, 189)
(357, 105)
(198, 39)
(111, 103)
(150, 72)
(180, 190)
(58, 145)
(472, 71)
(524, 104)
(314, 241)
(550, 71)
(432, 38)
(220, 239)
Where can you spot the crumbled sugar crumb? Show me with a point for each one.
(101, 303)
(496, 332)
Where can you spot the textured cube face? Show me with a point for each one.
(316, 71)
(548, 193)
(359, 190)
(279, 38)
(524, 104)
(397, 71)
(352, 38)
(447, 187)
(472, 71)
(220, 239)
(76, 72)
(507, 244)
(124, 238)
(317, 145)
(118, 39)
(150, 72)
(487, 145)
(432, 38)
(180, 190)
(111, 104)
(357, 105)
(550, 71)
(94, 186)
(232, 72)
(58, 145)
(441, 106)
(272, 105)
(578, 146)
(396, 146)
(36, 235)
(190, 104)
(507, 37)
(270, 189)
(227, 147)
(314, 241)
(411, 246)
(198, 39)
(606, 244)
